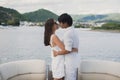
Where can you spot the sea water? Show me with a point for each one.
(24, 43)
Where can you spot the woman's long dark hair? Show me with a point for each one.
(48, 31)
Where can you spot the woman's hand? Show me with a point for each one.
(55, 53)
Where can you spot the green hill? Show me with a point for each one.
(115, 17)
(12, 17)
(9, 16)
(40, 15)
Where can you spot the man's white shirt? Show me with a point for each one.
(70, 40)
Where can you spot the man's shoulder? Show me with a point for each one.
(59, 30)
(59, 33)
(70, 30)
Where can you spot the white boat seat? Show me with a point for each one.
(23, 70)
(99, 70)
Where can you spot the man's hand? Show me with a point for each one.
(74, 50)
(55, 53)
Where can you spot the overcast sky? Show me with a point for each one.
(65, 6)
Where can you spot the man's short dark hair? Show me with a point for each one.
(65, 18)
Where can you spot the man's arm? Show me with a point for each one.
(68, 41)
(56, 53)
(60, 44)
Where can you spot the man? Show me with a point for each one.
(70, 40)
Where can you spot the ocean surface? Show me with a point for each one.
(23, 43)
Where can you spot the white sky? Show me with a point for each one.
(65, 6)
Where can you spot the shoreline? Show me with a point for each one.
(102, 30)
(95, 30)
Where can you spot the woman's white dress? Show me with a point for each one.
(57, 62)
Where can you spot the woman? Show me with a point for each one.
(57, 58)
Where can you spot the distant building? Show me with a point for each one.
(26, 23)
(89, 24)
(99, 24)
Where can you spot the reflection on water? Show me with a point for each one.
(21, 43)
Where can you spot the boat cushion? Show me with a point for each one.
(11, 69)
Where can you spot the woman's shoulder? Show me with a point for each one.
(53, 39)
(52, 36)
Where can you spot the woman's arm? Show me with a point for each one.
(60, 44)
(64, 52)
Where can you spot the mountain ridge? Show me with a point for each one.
(12, 16)
(40, 15)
